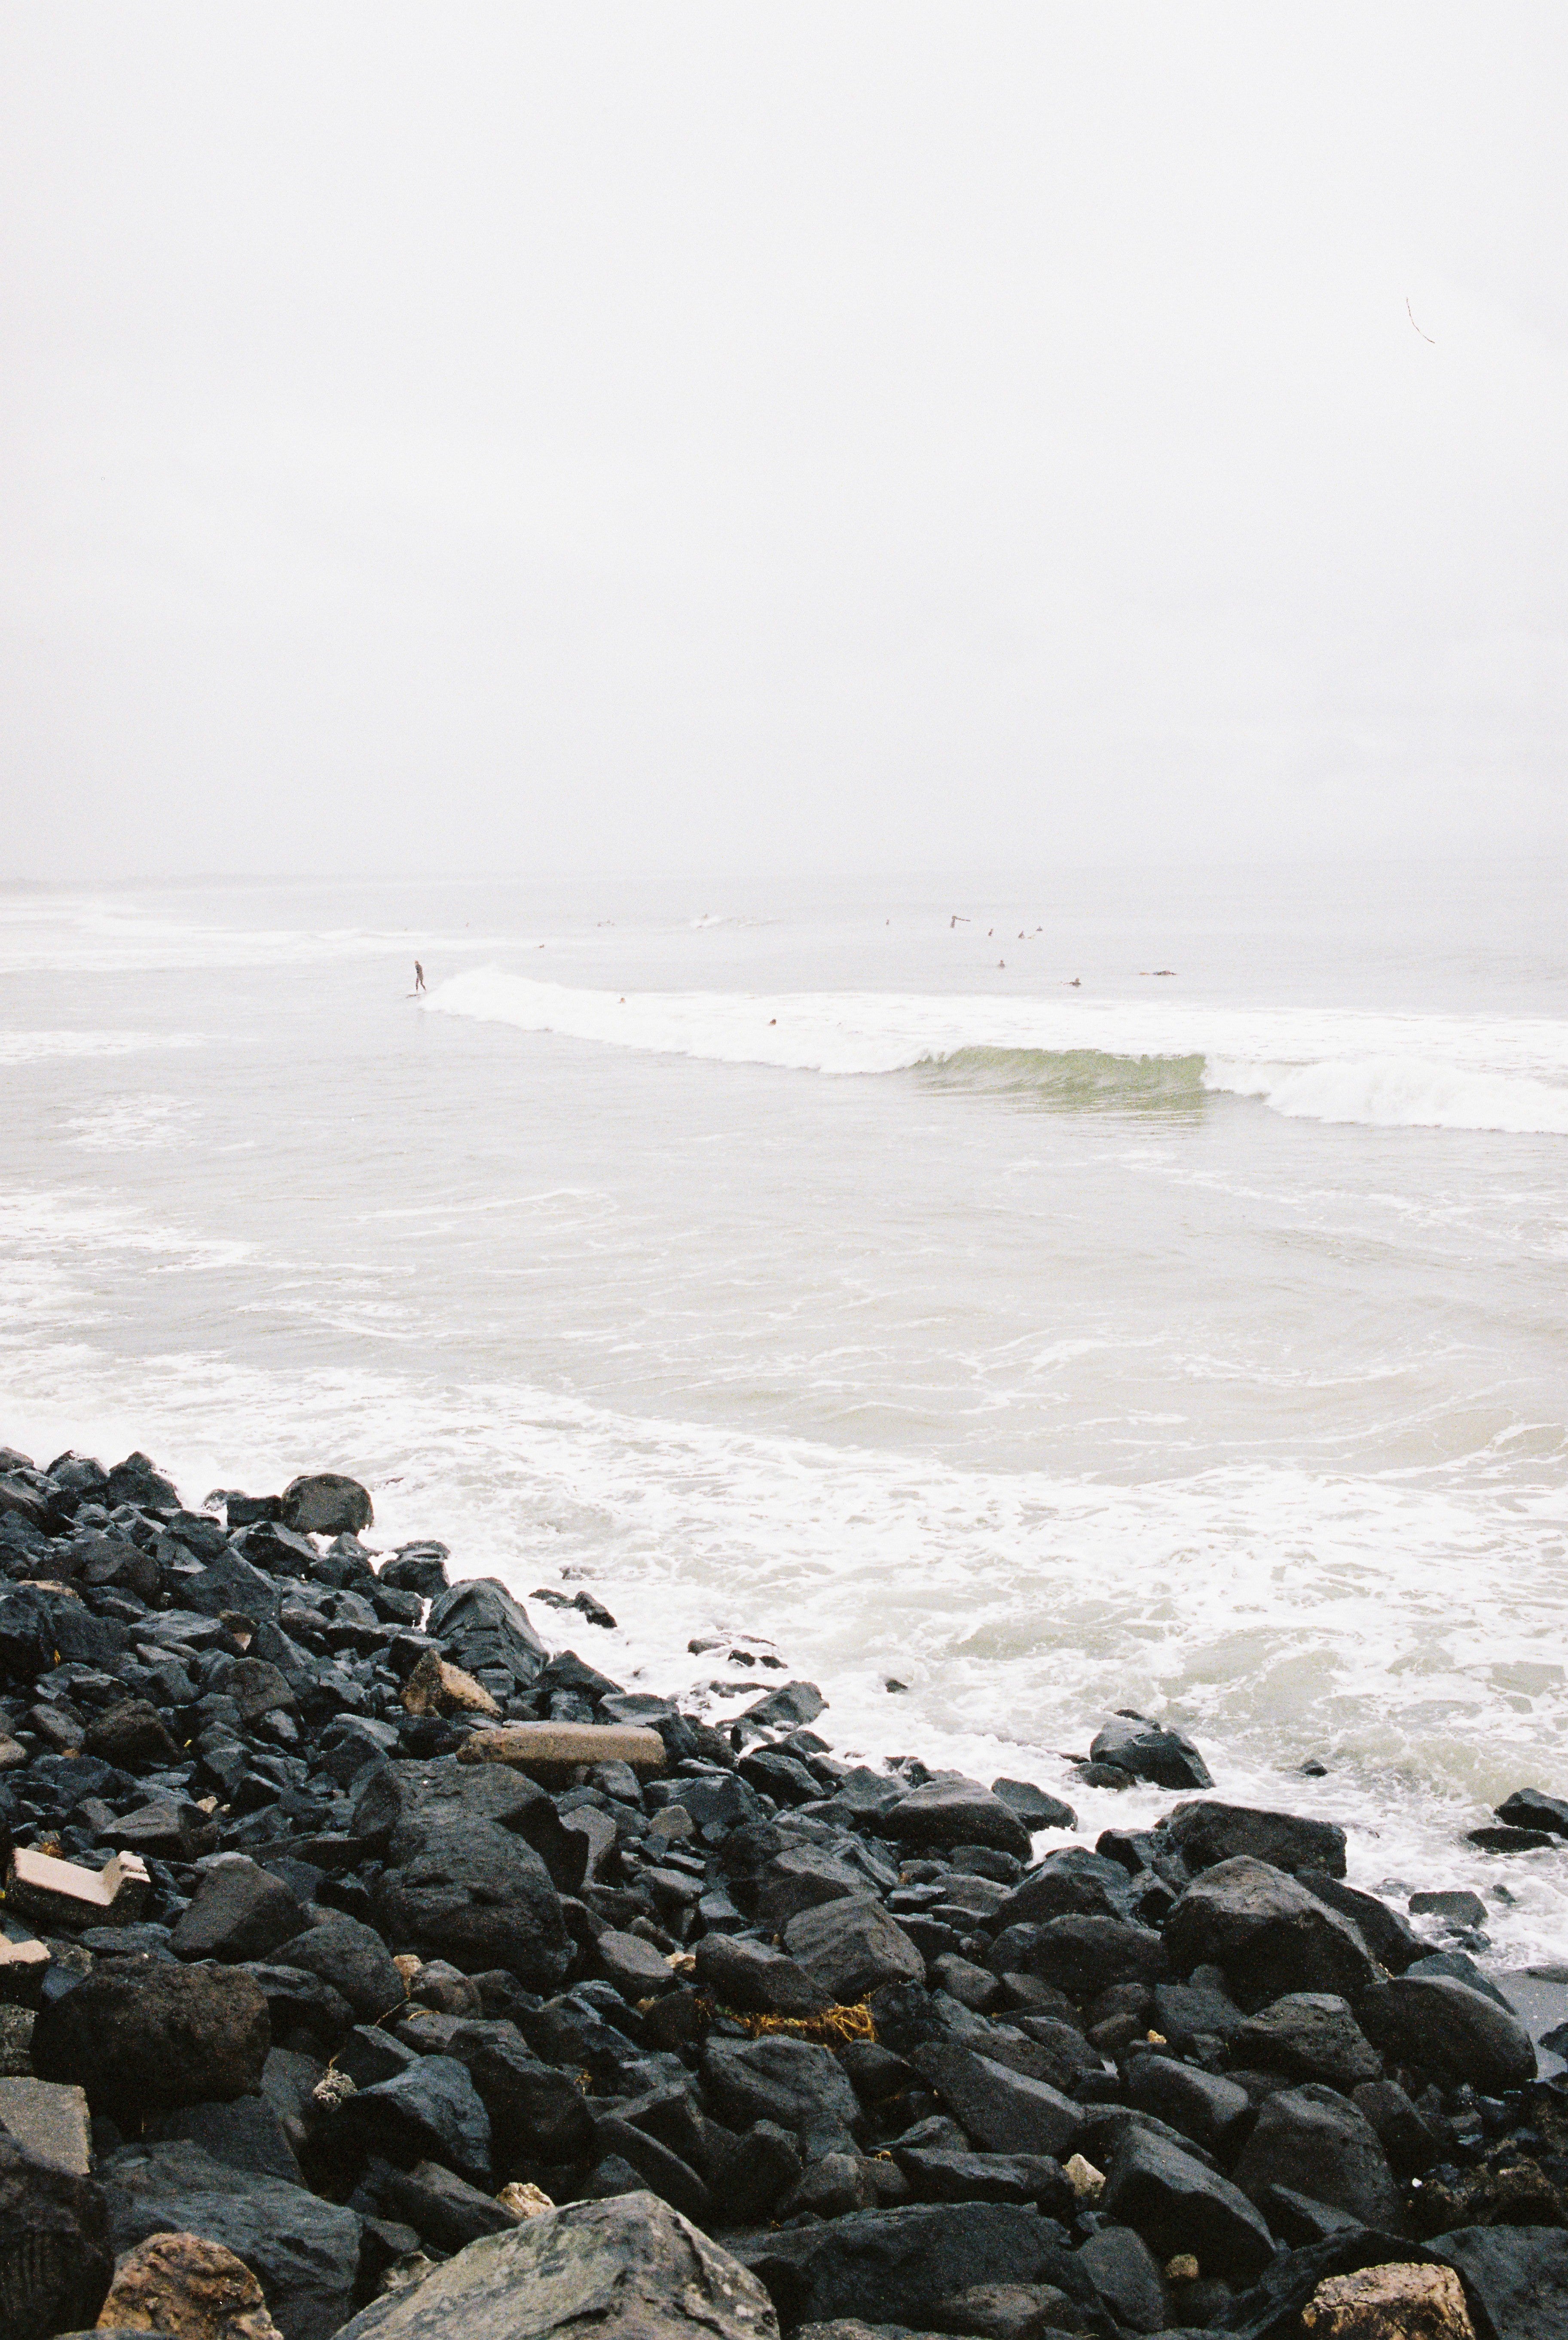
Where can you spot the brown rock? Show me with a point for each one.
(1390, 2302)
(130, 1733)
(188, 2287)
(552, 1748)
(59, 1894)
(437, 1688)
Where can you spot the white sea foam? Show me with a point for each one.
(1386, 1071)
(38, 1048)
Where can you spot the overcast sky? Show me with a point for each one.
(748, 436)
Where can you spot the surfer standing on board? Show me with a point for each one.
(418, 976)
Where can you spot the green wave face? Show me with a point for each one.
(1075, 1080)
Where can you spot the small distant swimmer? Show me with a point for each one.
(418, 976)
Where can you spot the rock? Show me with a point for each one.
(304, 2251)
(630, 2268)
(246, 2133)
(660, 2168)
(1510, 1840)
(239, 1911)
(750, 2179)
(190, 2288)
(1184, 2012)
(895, 2267)
(554, 1749)
(431, 2111)
(1268, 1934)
(1203, 2105)
(1386, 1934)
(951, 1810)
(792, 2083)
(524, 2201)
(785, 1708)
(435, 1687)
(803, 1878)
(1177, 2204)
(1313, 2142)
(1007, 2311)
(353, 1958)
(1070, 1884)
(60, 1896)
(323, 1503)
(1527, 1808)
(1409, 2140)
(24, 1966)
(850, 1947)
(142, 2034)
(56, 2257)
(1459, 1967)
(1206, 1833)
(947, 2174)
(480, 1626)
(537, 2112)
(49, 2122)
(756, 1980)
(470, 1891)
(129, 1733)
(1312, 2034)
(1390, 2302)
(1128, 2277)
(1082, 1955)
(1518, 2274)
(138, 1481)
(440, 2207)
(295, 1999)
(1004, 2111)
(1032, 1806)
(1443, 2026)
(1460, 1909)
(637, 1970)
(1148, 1753)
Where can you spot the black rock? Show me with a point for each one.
(238, 1911)
(442, 2208)
(850, 1947)
(471, 1892)
(1148, 1753)
(1519, 2276)
(944, 2173)
(1268, 1934)
(1528, 1808)
(1081, 1955)
(57, 2260)
(1128, 2277)
(1072, 1883)
(356, 1962)
(1410, 2143)
(755, 1978)
(1311, 2034)
(1177, 2204)
(792, 2083)
(245, 2134)
(1209, 1832)
(324, 1502)
(1312, 2141)
(480, 1624)
(419, 1568)
(431, 2112)
(537, 2112)
(295, 1999)
(142, 2034)
(1203, 2105)
(949, 1810)
(1033, 1807)
(1443, 2026)
(1386, 1934)
(895, 2267)
(754, 2174)
(129, 1734)
(1003, 2110)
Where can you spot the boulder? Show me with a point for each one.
(1072, 1883)
(1032, 1806)
(1312, 2034)
(554, 1750)
(1179, 2205)
(1143, 1748)
(129, 1734)
(400, 1806)
(1313, 2142)
(142, 2033)
(1268, 1934)
(471, 1892)
(356, 1962)
(304, 2251)
(1390, 2302)
(1387, 1934)
(1519, 2275)
(537, 2112)
(1527, 1808)
(950, 2173)
(1004, 2111)
(430, 2111)
(1002, 2311)
(630, 2268)
(190, 2288)
(1411, 2142)
(792, 2083)
(895, 2267)
(441, 2207)
(238, 1911)
(246, 2133)
(750, 2177)
(1443, 2026)
(802, 1877)
(756, 1980)
(637, 1971)
(1206, 1833)
(49, 2122)
(1081, 1955)
(480, 1626)
(850, 1947)
(56, 2253)
(1203, 2105)
(324, 1502)
(951, 1810)
(1128, 2277)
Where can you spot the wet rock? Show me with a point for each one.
(471, 1892)
(1519, 2275)
(431, 2111)
(785, 1708)
(1032, 1806)
(1203, 2105)
(304, 2251)
(188, 2287)
(1184, 2012)
(1410, 2141)
(1528, 1808)
(1268, 1933)
(324, 1502)
(1072, 1883)
(1444, 2027)
(1131, 1744)
(1387, 1934)
(239, 1911)
(440, 2207)
(142, 2033)
(354, 1960)
(1510, 1840)
(1081, 1955)
(1313, 2142)
(55, 2256)
(659, 2167)
(897, 2266)
(1177, 2204)
(850, 1947)
(1312, 2034)
(296, 2001)
(1128, 2277)
(803, 1878)
(1011, 2311)
(630, 2268)
(1004, 2111)
(755, 1978)
(792, 2083)
(949, 1810)
(1206, 1833)
(480, 1626)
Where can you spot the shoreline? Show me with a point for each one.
(462, 1915)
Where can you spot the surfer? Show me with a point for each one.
(418, 976)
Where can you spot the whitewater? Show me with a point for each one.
(825, 1266)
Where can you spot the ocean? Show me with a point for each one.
(910, 1281)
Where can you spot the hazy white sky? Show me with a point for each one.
(749, 436)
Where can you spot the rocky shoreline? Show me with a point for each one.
(367, 1964)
